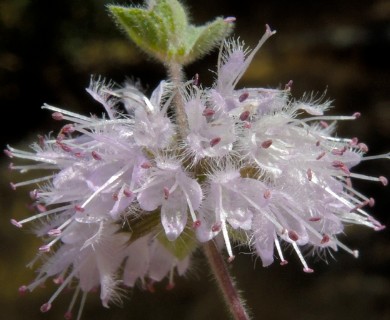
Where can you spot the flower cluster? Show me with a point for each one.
(128, 197)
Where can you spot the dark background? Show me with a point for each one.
(49, 49)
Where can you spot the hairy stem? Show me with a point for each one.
(175, 73)
(225, 282)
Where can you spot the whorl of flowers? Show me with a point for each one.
(127, 198)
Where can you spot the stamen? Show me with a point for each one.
(321, 155)
(363, 147)
(47, 247)
(380, 156)
(377, 225)
(40, 280)
(192, 212)
(26, 168)
(283, 262)
(324, 124)
(331, 118)
(354, 141)
(325, 239)
(30, 156)
(57, 231)
(266, 144)
(293, 235)
(96, 155)
(54, 232)
(79, 208)
(360, 205)
(349, 187)
(245, 115)
(166, 193)
(59, 279)
(45, 307)
(57, 116)
(68, 315)
(60, 288)
(41, 141)
(79, 155)
(74, 116)
(381, 179)
(288, 85)
(339, 152)
(229, 19)
(267, 194)
(247, 125)
(171, 284)
(127, 193)
(34, 194)
(341, 165)
(40, 207)
(68, 128)
(196, 224)
(300, 256)
(216, 227)
(16, 223)
(348, 182)
(82, 304)
(227, 241)
(195, 81)
(8, 153)
(23, 290)
(309, 174)
(215, 141)
(146, 165)
(243, 97)
(208, 112)
(32, 181)
(355, 253)
(40, 215)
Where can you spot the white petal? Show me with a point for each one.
(161, 262)
(174, 214)
(264, 232)
(137, 262)
(193, 190)
(150, 198)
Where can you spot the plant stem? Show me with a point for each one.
(175, 73)
(225, 282)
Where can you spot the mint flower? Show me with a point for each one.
(130, 195)
(170, 189)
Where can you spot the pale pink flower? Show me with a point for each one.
(256, 167)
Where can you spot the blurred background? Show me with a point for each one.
(49, 49)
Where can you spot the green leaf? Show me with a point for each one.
(201, 40)
(162, 30)
(145, 28)
(173, 15)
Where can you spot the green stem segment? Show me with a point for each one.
(225, 282)
(175, 72)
